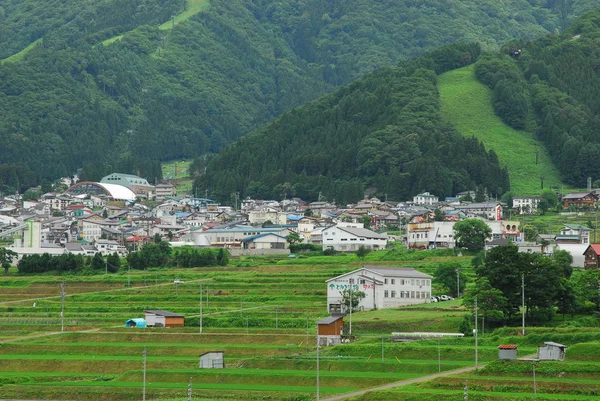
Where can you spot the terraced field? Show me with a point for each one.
(262, 315)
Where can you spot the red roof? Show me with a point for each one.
(596, 248)
(136, 238)
(507, 346)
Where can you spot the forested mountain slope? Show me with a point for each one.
(383, 134)
(553, 88)
(154, 95)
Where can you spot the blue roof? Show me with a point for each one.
(293, 217)
(253, 237)
(182, 215)
(244, 229)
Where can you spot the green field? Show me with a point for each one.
(467, 104)
(261, 312)
(177, 172)
(15, 58)
(193, 8)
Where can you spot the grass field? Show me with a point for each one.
(193, 8)
(467, 104)
(261, 312)
(15, 58)
(177, 172)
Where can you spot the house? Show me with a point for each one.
(349, 239)
(440, 234)
(107, 247)
(163, 318)
(232, 237)
(592, 257)
(489, 210)
(212, 360)
(265, 241)
(384, 286)
(551, 351)
(330, 330)
(507, 352)
(573, 234)
(163, 190)
(425, 199)
(526, 204)
(580, 199)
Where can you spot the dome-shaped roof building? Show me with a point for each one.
(113, 191)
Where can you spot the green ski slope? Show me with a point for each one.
(467, 103)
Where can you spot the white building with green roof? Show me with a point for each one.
(138, 185)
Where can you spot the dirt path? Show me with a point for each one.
(401, 383)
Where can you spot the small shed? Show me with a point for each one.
(212, 360)
(136, 322)
(551, 351)
(330, 330)
(507, 352)
(163, 318)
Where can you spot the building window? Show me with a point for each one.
(412, 281)
(412, 294)
(393, 294)
(385, 281)
(393, 281)
(362, 281)
(351, 281)
(401, 281)
(385, 293)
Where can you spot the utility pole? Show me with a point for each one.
(276, 319)
(439, 358)
(534, 384)
(457, 283)
(106, 266)
(200, 308)
(351, 299)
(144, 367)
(318, 372)
(475, 332)
(382, 349)
(523, 303)
(190, 390)
(62, 306)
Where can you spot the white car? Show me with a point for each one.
(177, 281)
(433, 299)
(444, 298)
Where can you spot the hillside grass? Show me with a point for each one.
(193, 8)
(15, 58)
(177, 173)
(467, 104)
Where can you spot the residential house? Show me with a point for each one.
(580, 199)
(592, 257)
(489, 210)
(384, 286)
(349, 239)
(232, 237)
(265, 241)
(573, 234)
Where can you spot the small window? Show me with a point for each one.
(393, 281)
(385, 281)
(362, 281)
(393, 294)
(385, 294)
(351, 281)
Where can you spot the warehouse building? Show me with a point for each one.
(163, 318)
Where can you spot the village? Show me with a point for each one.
(123, 212)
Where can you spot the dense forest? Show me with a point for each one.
(553, 88)
(72, 102)
(383, 135)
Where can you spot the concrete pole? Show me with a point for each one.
(318, 372)
(200, 307)
(523, 303)
(476, 349)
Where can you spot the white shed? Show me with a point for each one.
(212, 360)
(552, 351)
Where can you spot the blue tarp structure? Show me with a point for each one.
(137, 322)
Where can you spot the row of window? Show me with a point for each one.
(411, 281)
(406, 294)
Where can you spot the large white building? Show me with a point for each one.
(440, 234)
(425, 199)
(349, 239)
(489, 210)
(384, 287)
(526, 204)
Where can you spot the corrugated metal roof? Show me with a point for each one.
(330, 319)
(160, 312)
(507, 346)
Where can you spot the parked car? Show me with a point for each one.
(434, 299)
(444, 298)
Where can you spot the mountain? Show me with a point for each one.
(553, 89)
(68, 101)
(383, 134)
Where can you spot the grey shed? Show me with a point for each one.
(212, 360)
